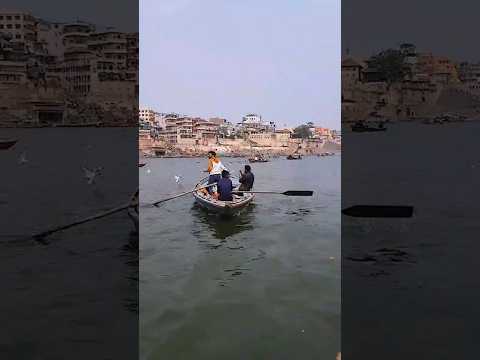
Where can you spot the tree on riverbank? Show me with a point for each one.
(302, 132)
(389, 65)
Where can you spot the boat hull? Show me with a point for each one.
(7, 144)
(367, 129)
(222, 207)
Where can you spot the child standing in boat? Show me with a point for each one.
(215, 168)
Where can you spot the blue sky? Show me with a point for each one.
(278, 58)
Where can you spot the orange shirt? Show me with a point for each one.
(210, 163)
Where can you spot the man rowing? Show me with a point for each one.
(246, 179)
(215, 168)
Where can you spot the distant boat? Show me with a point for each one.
(258, 159)
(294, 157)
(361, 127)
(7, 143)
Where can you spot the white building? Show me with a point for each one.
(252, 119)
(146, 115)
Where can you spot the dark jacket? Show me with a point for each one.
(246, 181)
(224, 188)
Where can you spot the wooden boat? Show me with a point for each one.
(360, 127)
(7, 143)
(294, 157)
(258, 159)
(222, 207)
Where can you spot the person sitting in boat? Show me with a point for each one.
(224, 187)
(215, 168)
(246, 179)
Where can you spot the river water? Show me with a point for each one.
(410, 285)
(262, 285)
(76, 294)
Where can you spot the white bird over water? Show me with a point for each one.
(91, 174)
(23, 158)
(178, 178)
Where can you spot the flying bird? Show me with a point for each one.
(23, 158)
(90, 175)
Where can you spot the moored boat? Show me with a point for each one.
(258, 159)
(222, 207)
(294, 157)
(7, 143)
(361, 127)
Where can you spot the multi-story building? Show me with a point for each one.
(351, 72)
(50, 37)
(146, 115)
(439, 68)
(226, 129)
(252, 123)
(20, 26)
(189, 130)
(218, 121)
(469, 74)
(322, 133)
(160, 120)
(252, 119)
(67, 66)
(205, 131)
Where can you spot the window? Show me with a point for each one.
(1, 26)
(18, 36)
(9, 26)
(17, 26)
(9, 17)
(17, 17)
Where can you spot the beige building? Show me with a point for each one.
(146, 115)
(19, 25)
(66, 67)
(187, 130)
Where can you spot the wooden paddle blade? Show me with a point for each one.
(379, 211)
(298, 193)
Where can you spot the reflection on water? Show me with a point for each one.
(130, 254)
(223, 226)
(85, 278)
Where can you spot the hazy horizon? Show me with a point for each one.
(123, 18)
(444, 31)
(279, 59)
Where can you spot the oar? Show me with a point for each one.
(287, 193)
(82, 221)
(182, 194)
(379, 211)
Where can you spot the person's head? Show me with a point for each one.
(225, 174)
(248, 168)
(211, 154)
